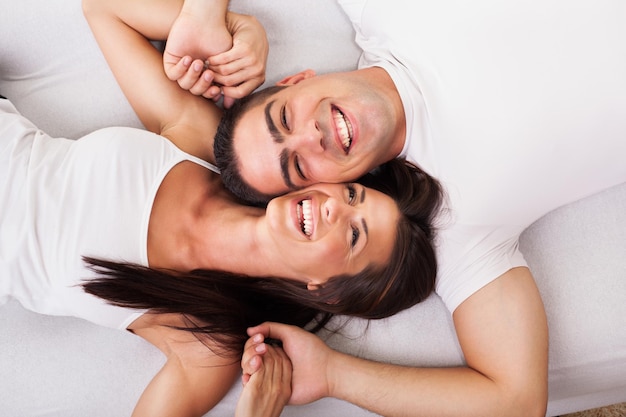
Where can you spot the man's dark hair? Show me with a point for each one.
(225, 157)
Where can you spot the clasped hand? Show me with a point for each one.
(216, 61)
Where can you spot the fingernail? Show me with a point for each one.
(258, 338)
(260, 348)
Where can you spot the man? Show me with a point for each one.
(517, 108)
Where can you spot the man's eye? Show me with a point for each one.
(296, 164)
(355, 236)
(283, 118)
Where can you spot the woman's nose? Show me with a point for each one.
(335, 210)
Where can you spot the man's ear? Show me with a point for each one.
(296, 78)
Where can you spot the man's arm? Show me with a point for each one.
(502, 330)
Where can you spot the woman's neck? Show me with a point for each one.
(195, 224)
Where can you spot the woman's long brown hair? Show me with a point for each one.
(222, 305)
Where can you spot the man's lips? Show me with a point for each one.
(343, 129)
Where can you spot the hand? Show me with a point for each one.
(267, 391)
(196, 56)
(309, 357)
(190, 42)
(242, 69)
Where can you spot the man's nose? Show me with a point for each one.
(309, 137)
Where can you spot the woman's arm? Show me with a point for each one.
(232, 74)
(192, 381)
(502, 330)
(122, 29)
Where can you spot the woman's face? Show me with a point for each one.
(330, 229)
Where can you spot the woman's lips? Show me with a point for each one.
(304, 213)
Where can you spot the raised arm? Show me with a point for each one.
(231, 74)
(122, 29)
(192, 381)
(503, 333)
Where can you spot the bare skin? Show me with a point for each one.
(195, 223)
(503, 333)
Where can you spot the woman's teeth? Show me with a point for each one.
(306, 218)
(344, 129)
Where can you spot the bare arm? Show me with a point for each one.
(193, 379)
(503, 333)
(122, 29)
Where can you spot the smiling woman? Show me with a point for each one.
(369, 253)
(148, 226)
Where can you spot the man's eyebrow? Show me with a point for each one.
(284, 169)
(276, 135)
(278, 138)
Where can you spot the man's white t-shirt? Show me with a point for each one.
(517, 107)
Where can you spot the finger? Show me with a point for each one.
(262, 329)
(270, 329)
(192, 75)
(233, 67)
(226, 57)
(242, 89)
(203, 85)
(250, 353)
(252, 365)
(245, 75)
(175, 68)
(238, 72)
(244, 379)
(253, 340)
(228, 102)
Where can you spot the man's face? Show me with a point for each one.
(332, 128)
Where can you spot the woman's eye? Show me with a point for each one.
(355, 236)
(283, 117)
(351, 193)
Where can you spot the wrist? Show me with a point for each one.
(337, 370)
(206, 10)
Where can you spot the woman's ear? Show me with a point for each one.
(296, 78)
(312, 286)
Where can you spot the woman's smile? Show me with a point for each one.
(326, 230)
(304, 216)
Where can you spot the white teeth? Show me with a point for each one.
(307, 218)
(343, 129)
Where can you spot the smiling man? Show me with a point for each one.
(315, 129)
(516, 107)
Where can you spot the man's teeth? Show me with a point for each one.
(344, 129)
(307, 218)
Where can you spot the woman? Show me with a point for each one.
(150, 203)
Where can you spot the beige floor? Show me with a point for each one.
(617, 410)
